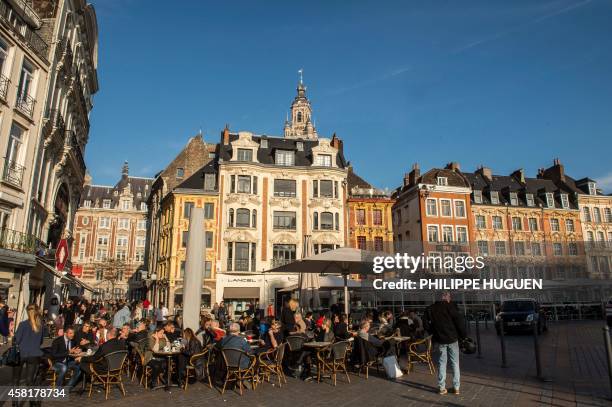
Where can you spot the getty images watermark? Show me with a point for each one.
(404, 262)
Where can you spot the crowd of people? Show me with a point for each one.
(86, 331)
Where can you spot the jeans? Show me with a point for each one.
(451, 351)
(62, 368)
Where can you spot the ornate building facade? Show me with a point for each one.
(191, 159)
(198, 191)
(110, 236)
(275, 193)
(48, 62)
(369, 216)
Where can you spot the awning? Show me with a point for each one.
(53, 271)
(241, 293)
(80, 283)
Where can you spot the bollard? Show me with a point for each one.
(536, 347)
(478, 339)
(608, 353)
(503, 344)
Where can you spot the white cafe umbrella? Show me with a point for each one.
(342, 261)
(309, 282)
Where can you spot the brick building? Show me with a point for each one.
(110, 236)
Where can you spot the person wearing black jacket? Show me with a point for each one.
(288, 317)
(445, 323)
(62, 350)
(84, 338)
(191, 346)
(111, 345)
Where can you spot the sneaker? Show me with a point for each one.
(443, 391)
(456, 391)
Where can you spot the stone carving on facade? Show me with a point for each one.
(233, 235)
(327, 237)
(284, 203)
(284, 238)
(242, 199)
(324, 203)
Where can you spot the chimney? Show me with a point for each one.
(486, 173)
(453, 166)
(125, 170)
(556, 173)
(412, 177)
(225, 135)
(336, 142)
(519, 175)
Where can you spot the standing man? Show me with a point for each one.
(446, 325)
(122, 316)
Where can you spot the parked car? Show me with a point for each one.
(520, 314)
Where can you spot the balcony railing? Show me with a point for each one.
(18, 241)
(13, 173)
(277, 262)
(14, 21)
(4, 85)
(26, 103)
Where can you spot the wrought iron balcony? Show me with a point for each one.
(13, 173)
(280, 261)
(241, 265)
(12, 19)
(26, 103)
(4, 85)
(18, 241)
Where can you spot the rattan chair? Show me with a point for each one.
(203, 359)
(50, 373)
(333, 359)
(295, 345)
(112, 375)
(367, 356)
(232, 359)
(271, 363)
(420, 352)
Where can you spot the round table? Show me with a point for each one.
(168, 355)
(315, 347)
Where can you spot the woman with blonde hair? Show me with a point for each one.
(29, 338)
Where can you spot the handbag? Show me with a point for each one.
(392, 368)
(12, 356)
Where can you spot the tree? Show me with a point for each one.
(112, 270)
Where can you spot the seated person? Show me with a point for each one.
(63, 350)
(102, 331)
(112, 344)
(386, 326)
(216, 332)
(233, 340)
(300, 325)
(341, 327)
(406, 325)
(274, 337)
(139, 333)
(156, 343)
(85, 338)
(170, 331)
(310, 323)
(364, 333)
(191, 346)
(325, 332)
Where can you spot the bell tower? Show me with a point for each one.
(301, 125)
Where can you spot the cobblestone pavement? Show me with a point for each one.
(573, 359)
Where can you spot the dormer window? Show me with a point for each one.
(478, 196)
(180, 172)
(564, 201)
(299, 145)
(592, 188)
(87, 203)
(284, 157)
(442, 181)
(126, 205)
(494, 197)
(513, 199)
(106, 204)
(550, 200)
(323, 160)
(530, 200)
(264, 143)
(244, 154)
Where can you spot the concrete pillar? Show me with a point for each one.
(194, 270)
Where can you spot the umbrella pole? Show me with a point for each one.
(346, 293)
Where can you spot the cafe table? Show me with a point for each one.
(315, 347)
(168, 355)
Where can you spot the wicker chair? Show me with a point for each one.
(367, 356)
(420, 352)
(232, 359)
(50, 373)
(295, 345)
(271, 363)
(333, 359)
(112, 375)
(191, 368)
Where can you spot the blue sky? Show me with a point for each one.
(506, 84)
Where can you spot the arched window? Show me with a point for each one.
(230, 218)
(242, 218)
(327, 220)
(299, 117)
(253, 218)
